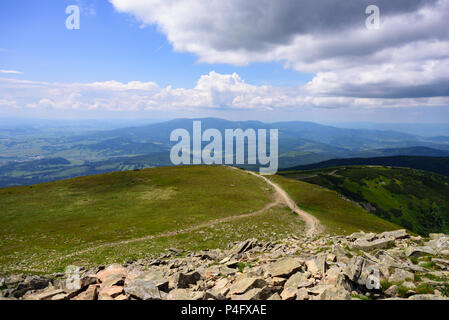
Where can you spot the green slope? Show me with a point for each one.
(338, 215)
(48, 226)
(414, 199)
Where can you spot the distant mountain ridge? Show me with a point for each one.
(438, 165)
(300, 143)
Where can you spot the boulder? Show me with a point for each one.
(155, 276)
(284, 267)
(334, 293)
(90, 294)
(296, 279)
(244, 284)
(392, 291)
(396, 234)
(401, 275)
(143, 290)
(182, 280)
(184, 294)
(365, 245)
(419, 251)
(110, 293)
(253, 294)
(112, 269)
(289, 294)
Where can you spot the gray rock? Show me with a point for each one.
(284, 267)
(419, 251)
(392, 291)
(397, 234)
(334, 293)
(426, 297)
(400, 276)
(371, 245)
(182, 280)
(253, 294)
(244, 284)
(296, 279)
(142, 289)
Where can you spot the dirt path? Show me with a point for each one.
(313, 225)
(280, 197)
(276, 201)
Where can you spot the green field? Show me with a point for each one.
(121, 216)
(414, 199)
(45, 227)
(338, 215)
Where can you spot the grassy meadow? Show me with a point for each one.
(338, 215)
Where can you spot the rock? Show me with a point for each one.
(334, 293)
(426, 297)
(182, 280)
(333, 276)
(143, 290)
(214, 294)
(112, 269)
(79, 282)
(362, 236)
(296, 279)
(439, 242)
(244, 246)
(397, 234)
(354, 268)
(46, 294)
(317, 265)
(418, 251)
(409, 285)
(90, 294)
(184, 294)
(113, 280)
(23, 285)
(253, 294)
(400, 276)
(302, 294)
(244, 284)
(109, 293)
(284, 267)
(275, 296)
(220, 284)
(392, 291)
(277, 281)
(440, 261)
(371, 245)
(289, 294)
(157, 277)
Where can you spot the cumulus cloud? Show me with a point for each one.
(406, 58)
(212, 91)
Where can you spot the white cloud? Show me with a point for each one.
(212, 91)
(10, 72)
(406, 58)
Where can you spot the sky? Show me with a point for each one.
(314, 60)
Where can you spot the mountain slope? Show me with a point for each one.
(121, 216)
(414, 199)
(438, 165)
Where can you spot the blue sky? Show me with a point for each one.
(265, 60)
(108, 46)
